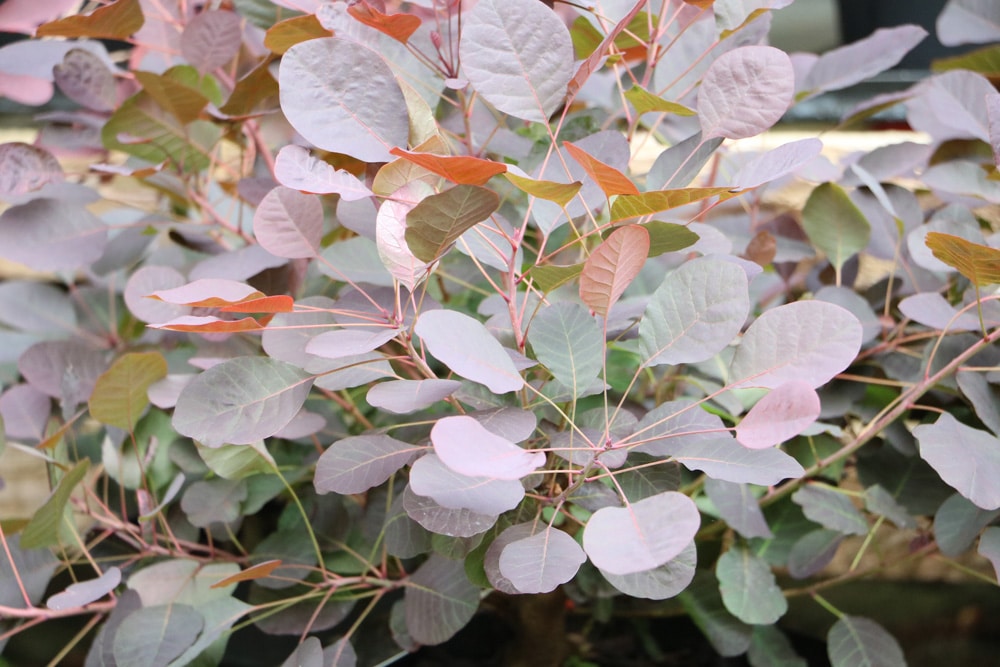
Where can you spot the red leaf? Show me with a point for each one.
(612, 267)
(194, 324)
(460, 169)
(397, 26)
(612, 181)
(281, 303)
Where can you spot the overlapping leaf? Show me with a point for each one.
(612, 267)
(358, 463)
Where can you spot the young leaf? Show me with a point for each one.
(610, 180)
(390, 235)
(518, 55)
(835, 225)
(559, 193)
(405, 396)
(153, 636)
(542, 562)
(662, 582)
(358, 463)
(397, 26)
(979, 263)
(43, 529)
(830, 509)
(84, 78)
(569, 342)
(748, 588)
(648, 203)
(327, 107)
(438, 220)
(468, 448)
(439, 600)
(623, 540)
(854, 640)
(211, 39)
(295, 167)
(612, 267)
(737, 505)
(208, 293)
(115, 21)
(780, 415)
(461, 169)
(241, 401)
(968, 459)
(809, 341)
(85, 592)
(645, 101)
(466, 347)
(180, 91)
(288, 223)
(430, 477)
(548, 277)
(119, 396)
(695, 313)
(283, 35)
(744, 92)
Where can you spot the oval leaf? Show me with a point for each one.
(51, 235)
(85, 78)
(568, 340)
(119, 396)
(462, 169)
(612, 267)
(348, 342)
(642, 536)
(966, 458)
(830, 509)
(662, 582)
(854, 641)
(85, 592)
(288, 223)
(438, 220)
(466, 347)
(211, 39)
(542, 562)
(406, 396)
(748, 588)
(724, 458)
(439, 600)
(745, 92)
(468, 448)
(834, 224)
(781, 414)
(295, 167)
(358, 463)
(154, 636)
(430, 477)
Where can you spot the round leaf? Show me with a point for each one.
(288, 223)
(540, 563)
(745, 92)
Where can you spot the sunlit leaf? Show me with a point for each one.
(854, 641)
(430, 477)
(668, 237)
(748, 587)
(437, 221)
(118, 20)
(610, 180)
(255, 92)
(644, 102)
(283, 35)
(548, 277)
(176, 91)
(406, 396)
(660, 583)
(208, 324)
(119, 396)
(648, 203)
(776, 163)
(461, 169)
(978, 263)
(43, 528)
(560, 193)
(612, 267)
(468, 448)
(211, 39)
(295, 167)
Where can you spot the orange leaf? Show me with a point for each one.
(612, 181)
(115, 21)
(283, 35)
(460, 169)
(281, 303)
(397, 26)
(560, 193)
(258, 571)
(612, 267)
(195, 324)
(978, 263)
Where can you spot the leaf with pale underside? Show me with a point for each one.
(542, 562)
(979, 263)
(288, 223)
(776, 163)
(211, 39)
(349, 342)
(968, 22)
(437, 221)
(723, 458)
(391, 224)
(430, 477)
(52, 235)
(468, 448)
(25, 168)
(518, 56)
(85, 592)
(295, 167)
(466, 347)
(744, 92)
(406, 396)
(442, 520)
(623, 540)
(968, 459)
(660, 583)
(781, 414)
(612, 267)
(358, 463)
(241, 401)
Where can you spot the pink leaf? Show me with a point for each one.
(542, 562)
(26, 15)
(406, 396)
(208, 293)
(289, 223)
(295, 167)
(466, 347)
(85, 592)
(390, 234)
(86, 79)
(211, 39)
(775, 163)
(430, 477)
(52, 235)
(612, 267)
(145, 281)
(25, 412)
(465, 446)
(347, 342)
(25, 168)
(969, 22)
(863, 59)
(358, 463)
(782, 413)
(745, 92)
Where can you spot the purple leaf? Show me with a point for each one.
(542, 562)
(65, 370)
(355, 260)
(952, 105)
(303, 425)
(340, 654)
(695, 313)
(518, 55)
(154, 635)
(349, 342)
(851, 301)
(748, 588)
(568, 340)
(812, 552)
(724, 458)
(29, 305)
(51, 235)
(983, 395)
(85, 592)
(211, 39)
(25, 168)
(643, 535)
(430, 477)
(241, 401)
(958, 522)
(861, 60)
(289, 333)
(241, 264)
(674, 424)
(989, 548)
(781, 414)
(776, 163)
(466, 347)
(359, 463)
(933, 310)
(307, 654)
(326, 105)
(969, 22)
(737, 505)
(289, 223)
(405, 396)
(468, 448)
(86, 79)
(881, 502)
(439, 600)
(993, 116)
(445, 520)
(353, 371)
(854, 640)
(745, 92)
(25, 412)
(830, 509)
(810, 341)
(512, 424)
(661, 582)
(295, 167)
(404, 537)
(966, 458)
(491, 560)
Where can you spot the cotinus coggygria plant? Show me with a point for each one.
(330, 325)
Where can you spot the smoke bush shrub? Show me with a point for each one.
(359, 312)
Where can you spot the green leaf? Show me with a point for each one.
(854, 641)
(548, 277)
(727, 634)
(437, 221)
(181, 90)
(668, 237)
(985, 61)
(569, 342)
(645, 101)
(43, 529)
(748, 588)
(769, 647)
(154, 636)
(235, 462)
(439, 600)
(119, 395)
(835, 225)
(648, 203)
(978, 263)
